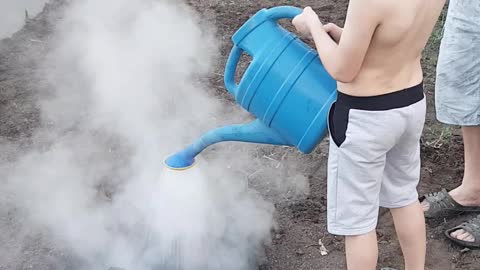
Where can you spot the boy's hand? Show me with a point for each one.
(305, 22)
(334, 31)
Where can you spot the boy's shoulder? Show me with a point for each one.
(370, 10)
(373, 5)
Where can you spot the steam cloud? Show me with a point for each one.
(12, 14)
(126, 91)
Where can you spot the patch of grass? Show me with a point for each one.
(441, 136)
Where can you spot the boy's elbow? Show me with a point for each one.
(343, 69)
(343, 75)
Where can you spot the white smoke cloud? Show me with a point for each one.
(12, 14)
(126, 91)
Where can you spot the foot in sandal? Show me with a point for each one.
(466, 234)
(442, 203)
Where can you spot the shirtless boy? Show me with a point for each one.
(376, 123)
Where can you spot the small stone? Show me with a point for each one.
(300, 252)
(465, 250)
(278, 236)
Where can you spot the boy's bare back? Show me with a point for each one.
(392, 61)
(379, 49)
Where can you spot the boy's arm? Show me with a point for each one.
(344, 60)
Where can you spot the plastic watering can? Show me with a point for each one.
(285, 87)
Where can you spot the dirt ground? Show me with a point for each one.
(301, 222)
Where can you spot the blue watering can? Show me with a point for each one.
(285, 87)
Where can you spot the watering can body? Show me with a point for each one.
(285, 86)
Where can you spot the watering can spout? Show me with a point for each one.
(253, 132)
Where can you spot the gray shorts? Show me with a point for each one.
(457, 93)
(374, 157)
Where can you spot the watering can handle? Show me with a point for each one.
(275, 13)
(283, 12)
(231, 68)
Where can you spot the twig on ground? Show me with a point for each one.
(269, 158)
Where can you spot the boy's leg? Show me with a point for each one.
(410, 226)
(399, 189)
(362, 251)
(362, 134)
(355, 169)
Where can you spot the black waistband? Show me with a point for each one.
(394, 100)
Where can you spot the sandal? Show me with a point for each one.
(442, 204)
(473, 228)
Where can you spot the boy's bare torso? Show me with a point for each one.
(392, 61)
